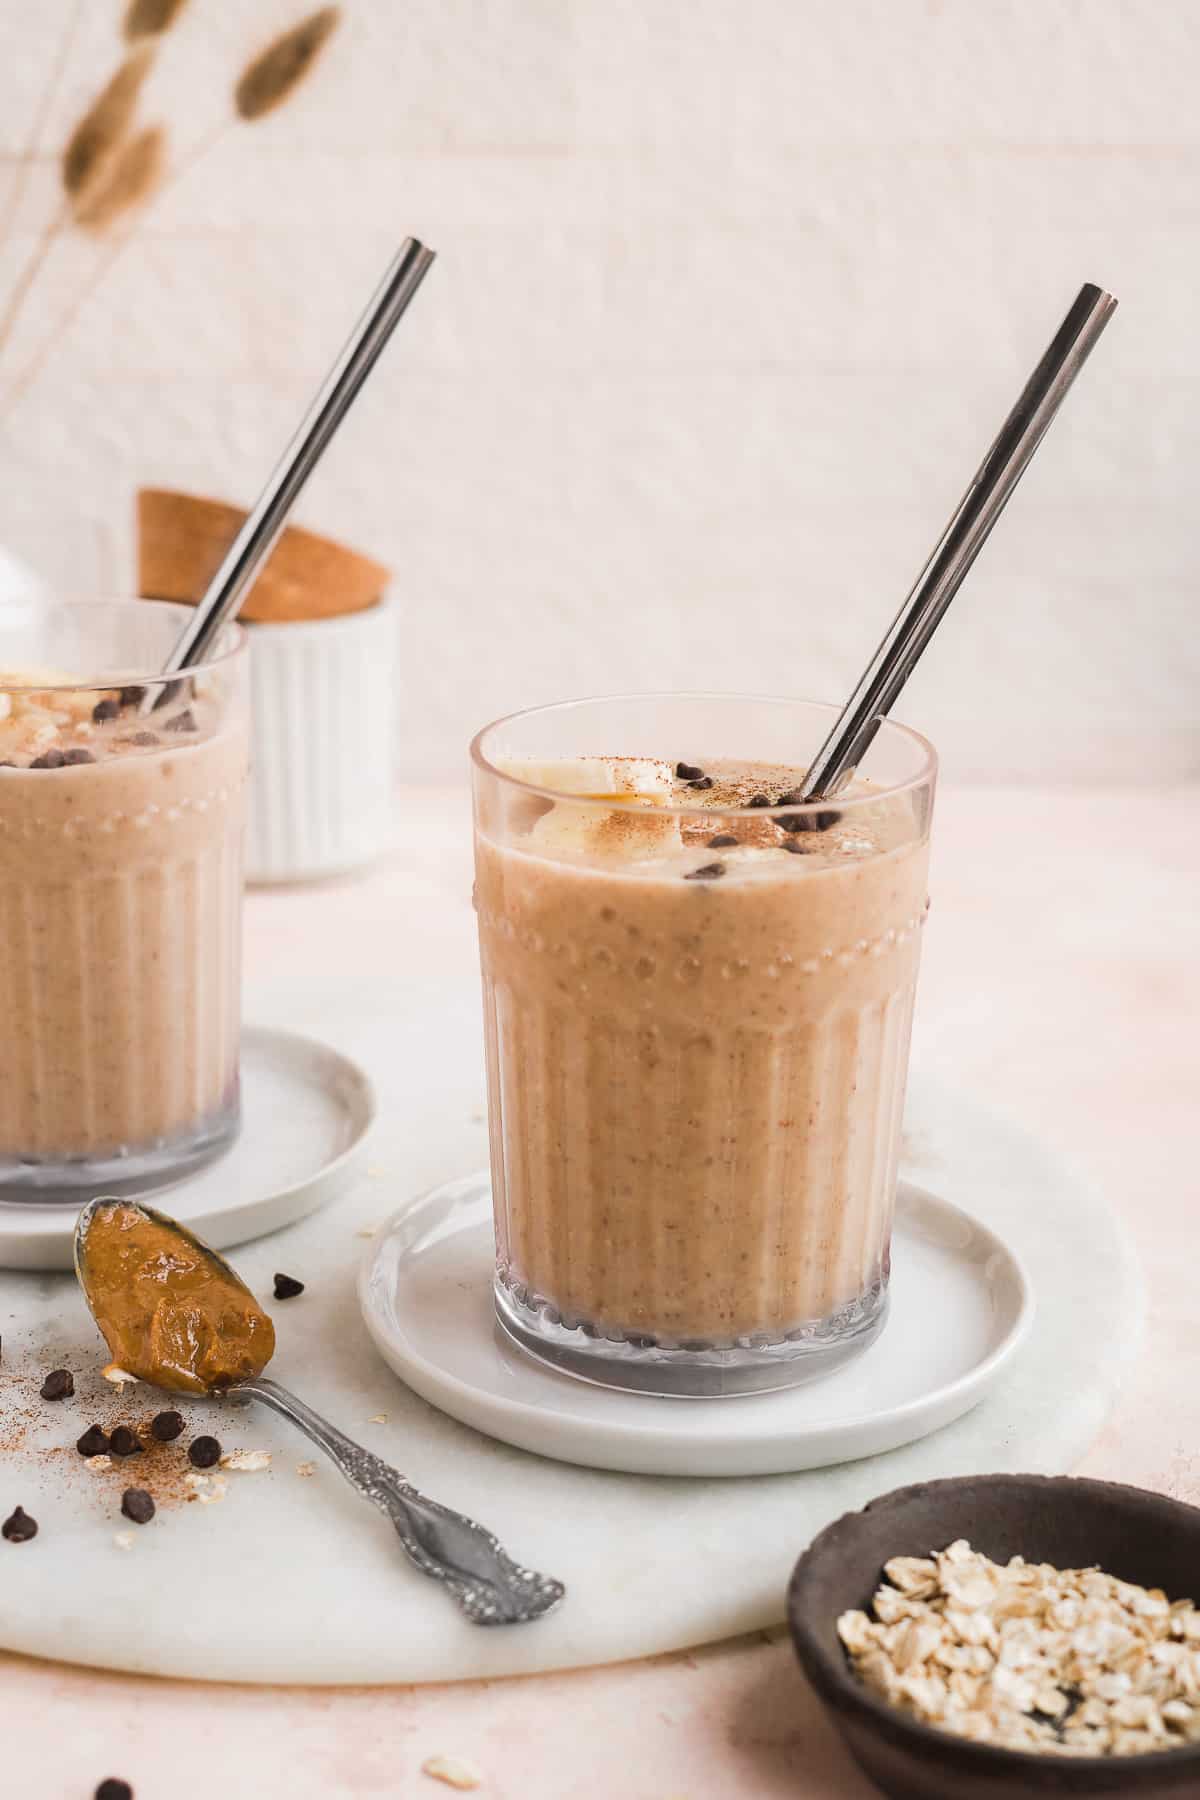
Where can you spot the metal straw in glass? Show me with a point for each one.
(961, 542)
(256, 539)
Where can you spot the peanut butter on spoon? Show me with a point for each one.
(172, 1313)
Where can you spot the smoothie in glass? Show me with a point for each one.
(698, 998)
(121, 814)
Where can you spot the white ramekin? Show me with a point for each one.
(323, 694)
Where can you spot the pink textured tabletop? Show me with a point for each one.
(1061, 983)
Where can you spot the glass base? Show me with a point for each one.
(699, 1372)
(71, 1181)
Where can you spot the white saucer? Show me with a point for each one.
(305, 1114)
(961, 1304)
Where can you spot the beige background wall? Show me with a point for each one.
(730, 300)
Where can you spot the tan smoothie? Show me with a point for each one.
(120, 882)
(696, 1055)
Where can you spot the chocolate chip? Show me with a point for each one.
(104, 710)
(137, 1505)
(169, 691)
(204, 1452)
(7, 765)
(50, 759)
(113, 1788)
(166, 1426)
(287, 1287)
(706, 872)
(688, 772)
(143, 739)
(795, 848)
(78, 756)
(132, 696)
(759, 800)
(94, 1442)
(722, 841)
(705, 781)
(58, 1385)
(18, 1528)
(794, 798)
(124, 1442)
(816, 821)
(184, 721)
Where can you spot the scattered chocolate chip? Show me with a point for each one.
(818, 821)
(705, 781)
(137, 1505)
(166, 1426)
(688, 772)
(143, 739)
(132, 696)
(113, 1788)
(79, 755)
(124, 1442)
(104, 710)
(184, 721)
(795, 848)
(794, 798)
(204, 1452)
(58, 1385)
(18, 1528)
(49, 759)
(722, 841)
(706, 872)
(759, 800)
(94, 1442)
(287, 1287)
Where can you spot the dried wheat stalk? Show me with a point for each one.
(150, 18)
(133, 171)
(105, 123)
(133, 175)
(275, 73)
(16, 191)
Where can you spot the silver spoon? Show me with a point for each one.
(255, 541)
(959, 545)
(488, 1585)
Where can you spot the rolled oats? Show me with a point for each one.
(1069, 1662)
(455, 1771)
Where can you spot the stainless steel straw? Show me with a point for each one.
(256, 539)
(961, 542)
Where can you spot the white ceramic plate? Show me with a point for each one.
(961, 1305)
(306, 1110)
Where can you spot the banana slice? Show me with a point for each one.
(627, 780)
(635, 787)
(36, 710)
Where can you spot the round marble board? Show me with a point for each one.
(292, 1578)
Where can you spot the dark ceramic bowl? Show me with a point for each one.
(1142, 1537)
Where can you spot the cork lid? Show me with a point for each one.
(182, 538)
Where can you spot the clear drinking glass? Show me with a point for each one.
(695, 1082)
(122, 801)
